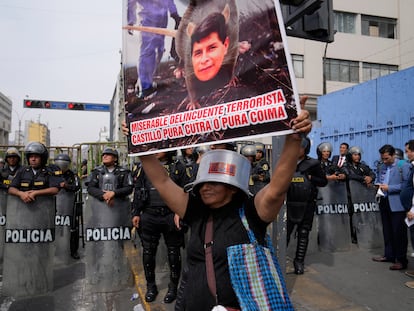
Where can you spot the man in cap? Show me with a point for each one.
(219, 191)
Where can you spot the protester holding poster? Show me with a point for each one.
(230, 81)
(223, 200)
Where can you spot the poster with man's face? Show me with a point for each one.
(205, 72)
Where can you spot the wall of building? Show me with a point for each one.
(5, 118)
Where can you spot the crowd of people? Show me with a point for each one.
(160, 208)
(393, 182)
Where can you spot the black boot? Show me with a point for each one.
(299, 262)
(174, 260)
(151, 293)
(171, 294)
(148, 258)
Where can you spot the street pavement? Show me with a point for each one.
(340, 281)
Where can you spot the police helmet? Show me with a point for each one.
(353, 150)
(36, 148)
(325, 146)
(399, 154)
(13, 152)
(62, 161)
(260, 147)
(110, 150)
(306, 144)
(248, 151)
(203, 149)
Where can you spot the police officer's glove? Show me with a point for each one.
(177, 19)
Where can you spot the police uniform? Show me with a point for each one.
(28, 179)
(7, 174)
(156, 219)
(119, 181)
(260, 174)
(300, 211)
(72, 184)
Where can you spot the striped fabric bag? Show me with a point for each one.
(256, 276)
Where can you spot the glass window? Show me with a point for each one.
(342, 70)
(344, 22)
(372, 71)
(297, 61)
(379, 26)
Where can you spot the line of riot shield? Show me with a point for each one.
(29, 248)
(366, 215)
(334, 233)
(107, 229)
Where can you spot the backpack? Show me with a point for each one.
(299, 194)
(407, 191)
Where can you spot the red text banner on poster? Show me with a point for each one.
(265, 108)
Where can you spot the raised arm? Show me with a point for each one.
(269, 200)
(172, 194)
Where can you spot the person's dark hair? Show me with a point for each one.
(214, 22)
(345, 144)
(410, 144)
(387, 149)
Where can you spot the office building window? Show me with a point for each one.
(379, 26)
(344, 22)
(297, 61)
(372, 71)
(341, 70)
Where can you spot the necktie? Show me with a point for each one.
(341, 161)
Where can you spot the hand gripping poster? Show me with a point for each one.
(205, 72)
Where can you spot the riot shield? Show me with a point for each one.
(334, 231)
(366, 217)
(65, 203)
(29, 249)
(3, 210)
(107, 228)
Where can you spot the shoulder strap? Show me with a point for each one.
(242, 214)
(208, 250)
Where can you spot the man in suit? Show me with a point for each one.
(390, 180)
(339, 160)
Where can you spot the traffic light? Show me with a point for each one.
(49, 104)
(309, 19)
(30, 103)
(76, 106)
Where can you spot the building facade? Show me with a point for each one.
(5, 118)
(36, 131)
(373, 38)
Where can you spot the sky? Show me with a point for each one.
(60, 51)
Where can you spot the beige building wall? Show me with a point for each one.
(37, 132)
(356, 47)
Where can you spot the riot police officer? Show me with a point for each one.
(110, 180)
(261, 172)
(71, 184)
(249, 151)
(189, 160)
(301, 201)
(12, 165)
(152, 217)
(37, 178)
